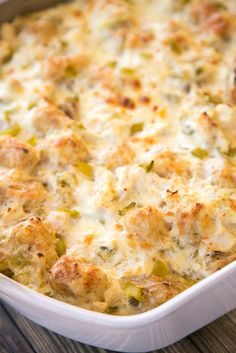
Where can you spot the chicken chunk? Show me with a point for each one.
(29, 251)
(225, 177)
(168, 164)
(19, 196)
(49, 118)
(212, 17)
(17, 154)
(147, 224)
(43, 29)
(80, 281)
(121, 155)
(60, 68)
(144, 292)
(202, 224)
(67, 149)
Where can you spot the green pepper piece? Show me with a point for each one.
(60, 247)
(86, 169)
(138, 127)
(11, 131)
(160, 269)
(72, 213)
(199, 153)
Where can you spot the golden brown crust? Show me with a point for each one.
(117, 130)
(49, 118)
(64, 67)
(212, 16)
(68, 148)
(74, 277)
(147, 224)
(121, 155)
(29, 251)
(16, 154)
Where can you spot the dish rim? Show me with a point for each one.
(103, 320)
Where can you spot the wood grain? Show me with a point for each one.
(11, 8)
(20, 335)
(11, 339)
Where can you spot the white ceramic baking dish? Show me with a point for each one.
(157, 328)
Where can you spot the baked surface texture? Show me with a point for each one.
(118, 149)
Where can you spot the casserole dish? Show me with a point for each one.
(161, 326)
(155, 329)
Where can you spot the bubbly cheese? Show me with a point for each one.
(117, 149)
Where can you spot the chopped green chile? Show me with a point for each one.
(176, 47)
(60, 247)
(33, 141)
(199, 152)
(148, 166)
(146, 55)
(135, 292)
(19, 260)
(112, 309)
(184, 2)
(70, 72)
(160, 269)
(135, 128)
(3, 266)
(39, 212)
(8, 272)
(126, 209)
(11, 131)
(213, 99)
(111, 64)
(77, 126)
(72, 213)
(116, 24)
(32, 105)
(127, 71)
(199, 71)
(231, 152)
(104, 252)
(86, 169)
(189, 281)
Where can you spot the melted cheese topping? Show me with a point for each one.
(117, 143)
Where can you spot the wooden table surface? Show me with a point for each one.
(19, 335)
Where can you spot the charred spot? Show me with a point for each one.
(197, 208)
(24, 150)
(127, 103)
(155, 108)
(136, 84)
(69, 109)
(169, 226)
(172, 192)
(144, 99)
(39, 254)
(111, 100)
(77, 13)
(147, 36)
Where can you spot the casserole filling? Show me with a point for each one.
(118, 149)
